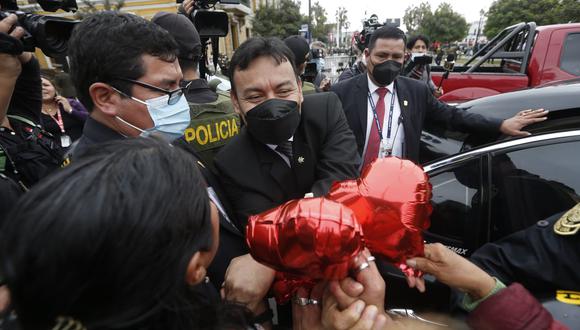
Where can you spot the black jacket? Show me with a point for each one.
(417, 104)
(256, 178)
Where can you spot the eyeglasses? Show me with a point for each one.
(174, 95)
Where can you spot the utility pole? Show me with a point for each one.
(309, 21)
(481, 13)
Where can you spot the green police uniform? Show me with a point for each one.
(308, 88)
(212, 125)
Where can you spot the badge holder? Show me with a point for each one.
(65, 141)
(384, 149)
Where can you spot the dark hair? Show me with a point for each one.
(386, 32)
(108, 239)
(256, 47)
(411, 43)
(189, 64)
(110, 44)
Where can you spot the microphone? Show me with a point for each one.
(448, 67)
(214, 83)
(449, 63)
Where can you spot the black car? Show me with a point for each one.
(484, 194)
(562, 99)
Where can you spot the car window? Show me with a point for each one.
(570, 60)
(532, 184)
(456, 201)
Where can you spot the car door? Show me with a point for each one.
(532, 182)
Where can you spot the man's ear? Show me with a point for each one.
(105, 98)
(236, 104)
(301, 97)
(195, 270)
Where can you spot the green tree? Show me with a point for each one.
(414, 16)
(91, 7)
(281, 21)
(444, 24)
(320, 27)
(504, 13)
(342, 22)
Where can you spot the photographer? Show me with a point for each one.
(28, 152)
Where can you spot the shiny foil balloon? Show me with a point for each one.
(305, 240)
(391, 201)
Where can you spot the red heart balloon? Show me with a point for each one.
(305, 240)
(391, 201)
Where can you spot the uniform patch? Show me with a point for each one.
(568, 297)
(569, 223)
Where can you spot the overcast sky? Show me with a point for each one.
(392, 9)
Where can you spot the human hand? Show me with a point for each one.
(325, 85)
(10, 65)
(512, 126)
(369, 285)
(247, 282)
(4, 298)
(438, 92)
(453, 270)
(356, 316)
(64, 103)
(188, 6)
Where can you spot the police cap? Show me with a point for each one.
(299, 46)
(183, 31)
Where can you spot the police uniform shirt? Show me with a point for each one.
(199, 92)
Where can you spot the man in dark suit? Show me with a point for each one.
(386, 112)
(290, 145)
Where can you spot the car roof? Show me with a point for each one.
(553, 97)
(497, 146)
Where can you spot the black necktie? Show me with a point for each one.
(285, 148)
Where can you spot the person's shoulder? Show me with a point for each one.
(346, 85)
(409, 83)
(319, 100)
(234, 149)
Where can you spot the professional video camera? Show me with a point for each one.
(369, 26)
(210, 24)
(48, 33)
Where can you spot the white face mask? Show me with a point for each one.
(170, 120)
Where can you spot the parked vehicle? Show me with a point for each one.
(522, 56)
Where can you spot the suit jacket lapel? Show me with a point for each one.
(277, 169)
(403, 98)
(361, 95)
(303, 162)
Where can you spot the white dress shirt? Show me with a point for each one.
(397, 132)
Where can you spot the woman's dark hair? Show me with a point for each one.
(108, 239)
(411, 43)
(256, 47)
(109, 45)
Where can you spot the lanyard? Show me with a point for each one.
(58, 119)
(376, 116)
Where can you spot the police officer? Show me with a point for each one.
(299, 46)
(213, 120)
(544, 258)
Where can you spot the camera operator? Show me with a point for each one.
(27, 151)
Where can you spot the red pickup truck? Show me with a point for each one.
(521, 56)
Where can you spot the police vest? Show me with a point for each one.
(212, 126)
(308, 88)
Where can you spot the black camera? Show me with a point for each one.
(369, 26)
(49, 33)
(210, 23)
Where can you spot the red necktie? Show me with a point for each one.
(374, 142)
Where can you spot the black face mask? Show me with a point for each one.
(273, 121)
(386, 72)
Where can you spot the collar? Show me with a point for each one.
(273, 146)
(198, 84)
(99, 133)
(373, 87)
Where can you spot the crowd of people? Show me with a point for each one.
(126, 207)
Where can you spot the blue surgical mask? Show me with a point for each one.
(168, 120)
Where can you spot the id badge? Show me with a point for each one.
(65, 141)
(384, 149)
